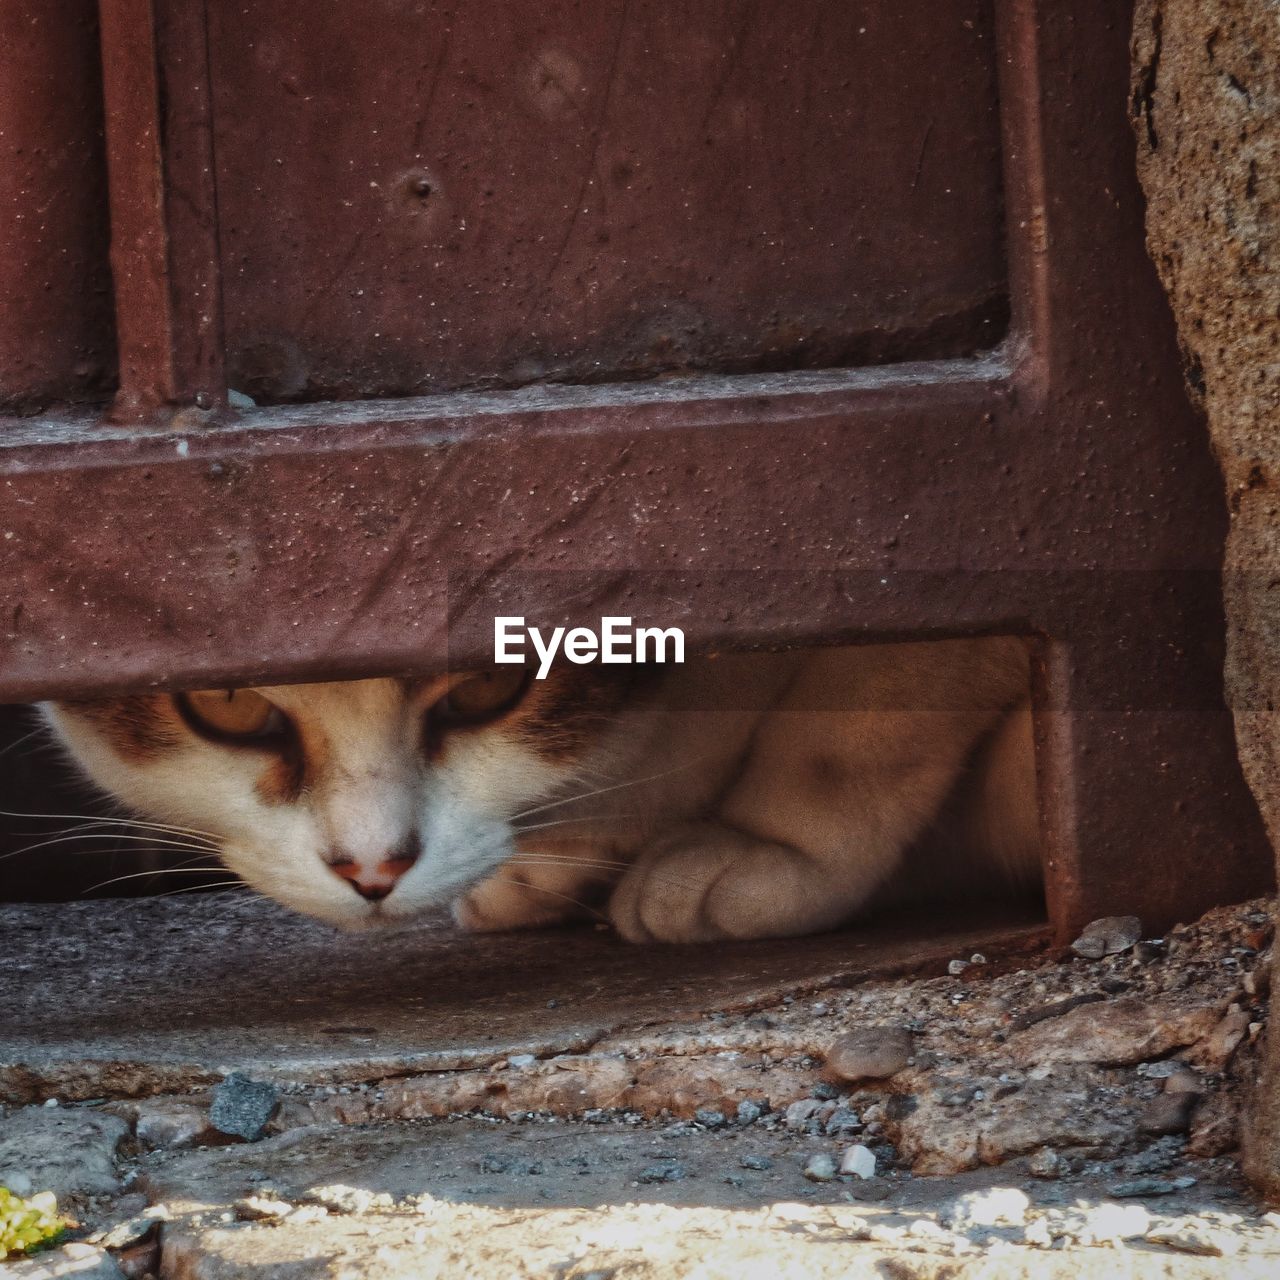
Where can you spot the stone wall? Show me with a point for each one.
(1206, 108)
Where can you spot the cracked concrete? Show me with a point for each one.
(557, 1105)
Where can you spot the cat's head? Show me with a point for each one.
(359, 802)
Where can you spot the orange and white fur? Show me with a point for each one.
(743, 796)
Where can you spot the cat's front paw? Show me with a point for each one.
(704, 881)
(525, 894)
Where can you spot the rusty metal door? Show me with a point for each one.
(781, 322)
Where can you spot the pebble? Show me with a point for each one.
(842, 1120)
(1108, 936)
(870, 1053)
(994, 1207)
(1151, 1187)
(820, 1167)
(859, 1161)
(663, 1173)
(171, 1124)
(1046, 1163)
(710, 1119)
(242, 1108)
(749, 1112)
(1168, 1113)
(1183, 1080)
(798, 1114)
(755, 1162)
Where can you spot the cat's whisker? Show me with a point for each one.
(560, 822)
(26, 737)
(121, 822)
(617, 786)
(228, 886)
(147, 875)
(599, 915)
(116, 837)
(558, 860)
(112, 830)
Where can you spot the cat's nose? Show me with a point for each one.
(375, 880)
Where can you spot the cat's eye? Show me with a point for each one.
(239, 715)
(481, 697)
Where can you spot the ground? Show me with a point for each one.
(217, 1090)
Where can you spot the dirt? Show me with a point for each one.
(1103, 1095)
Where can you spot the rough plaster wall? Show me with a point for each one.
(1206, 105)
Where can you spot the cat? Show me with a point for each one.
(740, 796)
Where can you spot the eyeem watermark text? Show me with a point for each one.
(617, 641)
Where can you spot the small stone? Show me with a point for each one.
(994, 1207)
(798, 1114)
(1183, 1080)
(820, 1167)
(841, 1120)
(1214, 1051)
(521, 1061)
(956, 967)
(710, 1119)
(242, 1108)
(759, 1163)
(1150, 1187)
(663, 1173)
(1168, 1113)
(749, 1112)
(825, 1091)
(859, 1161)
(1046, 1163)
(1107, 937)
(172, 1124)
(870, 1053)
